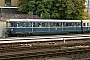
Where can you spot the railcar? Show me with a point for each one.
(86, 26)
(27, 27)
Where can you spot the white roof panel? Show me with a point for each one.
(86, 20)
(43, 20)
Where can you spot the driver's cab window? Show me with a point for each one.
(10, 24)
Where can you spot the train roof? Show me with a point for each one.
(42, 20)
(86, 20)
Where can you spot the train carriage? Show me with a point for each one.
(22, 27)
(86, 26)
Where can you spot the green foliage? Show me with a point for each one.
(54, 9)
(30, 12)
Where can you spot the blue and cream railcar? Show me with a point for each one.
(86, 26)
(20, 27)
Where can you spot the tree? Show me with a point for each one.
(54, 9)
(23, 6)
(79, 8)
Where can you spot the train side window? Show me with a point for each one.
(63, 24)
(6, 24)
(57, 24)
(12, 24)
(30, 24)
(87, 24)
(24, 24)
(83, 24)
(54, 24)
(68, 24)
(46, 24)
(79, 24)
(49, 24)
(75, 24)
(18, 24)
(43, 24)
(39, 24)
(33, 24)
(60, 24)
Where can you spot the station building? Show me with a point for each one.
(8, 3)
(8, 6)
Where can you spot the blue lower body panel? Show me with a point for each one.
(47, 30)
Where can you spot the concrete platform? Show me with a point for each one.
(43, 38)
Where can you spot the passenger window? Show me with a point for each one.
(43, 24)
(79, 24)
(7, 24)
(12, 24)
(55, 24)
(68, 24)
(63, 24)
(33, 24)
(60, 24)
(39, 24)
(83, 24)
(49, 24)
(87, 24)
(75, 24)
(24, 24)
(30, 24)
(18, 24)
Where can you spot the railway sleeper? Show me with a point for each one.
(14, 50)
(35, 54)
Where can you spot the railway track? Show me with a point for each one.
(37, 51)
(46, 52)
(43, 49)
